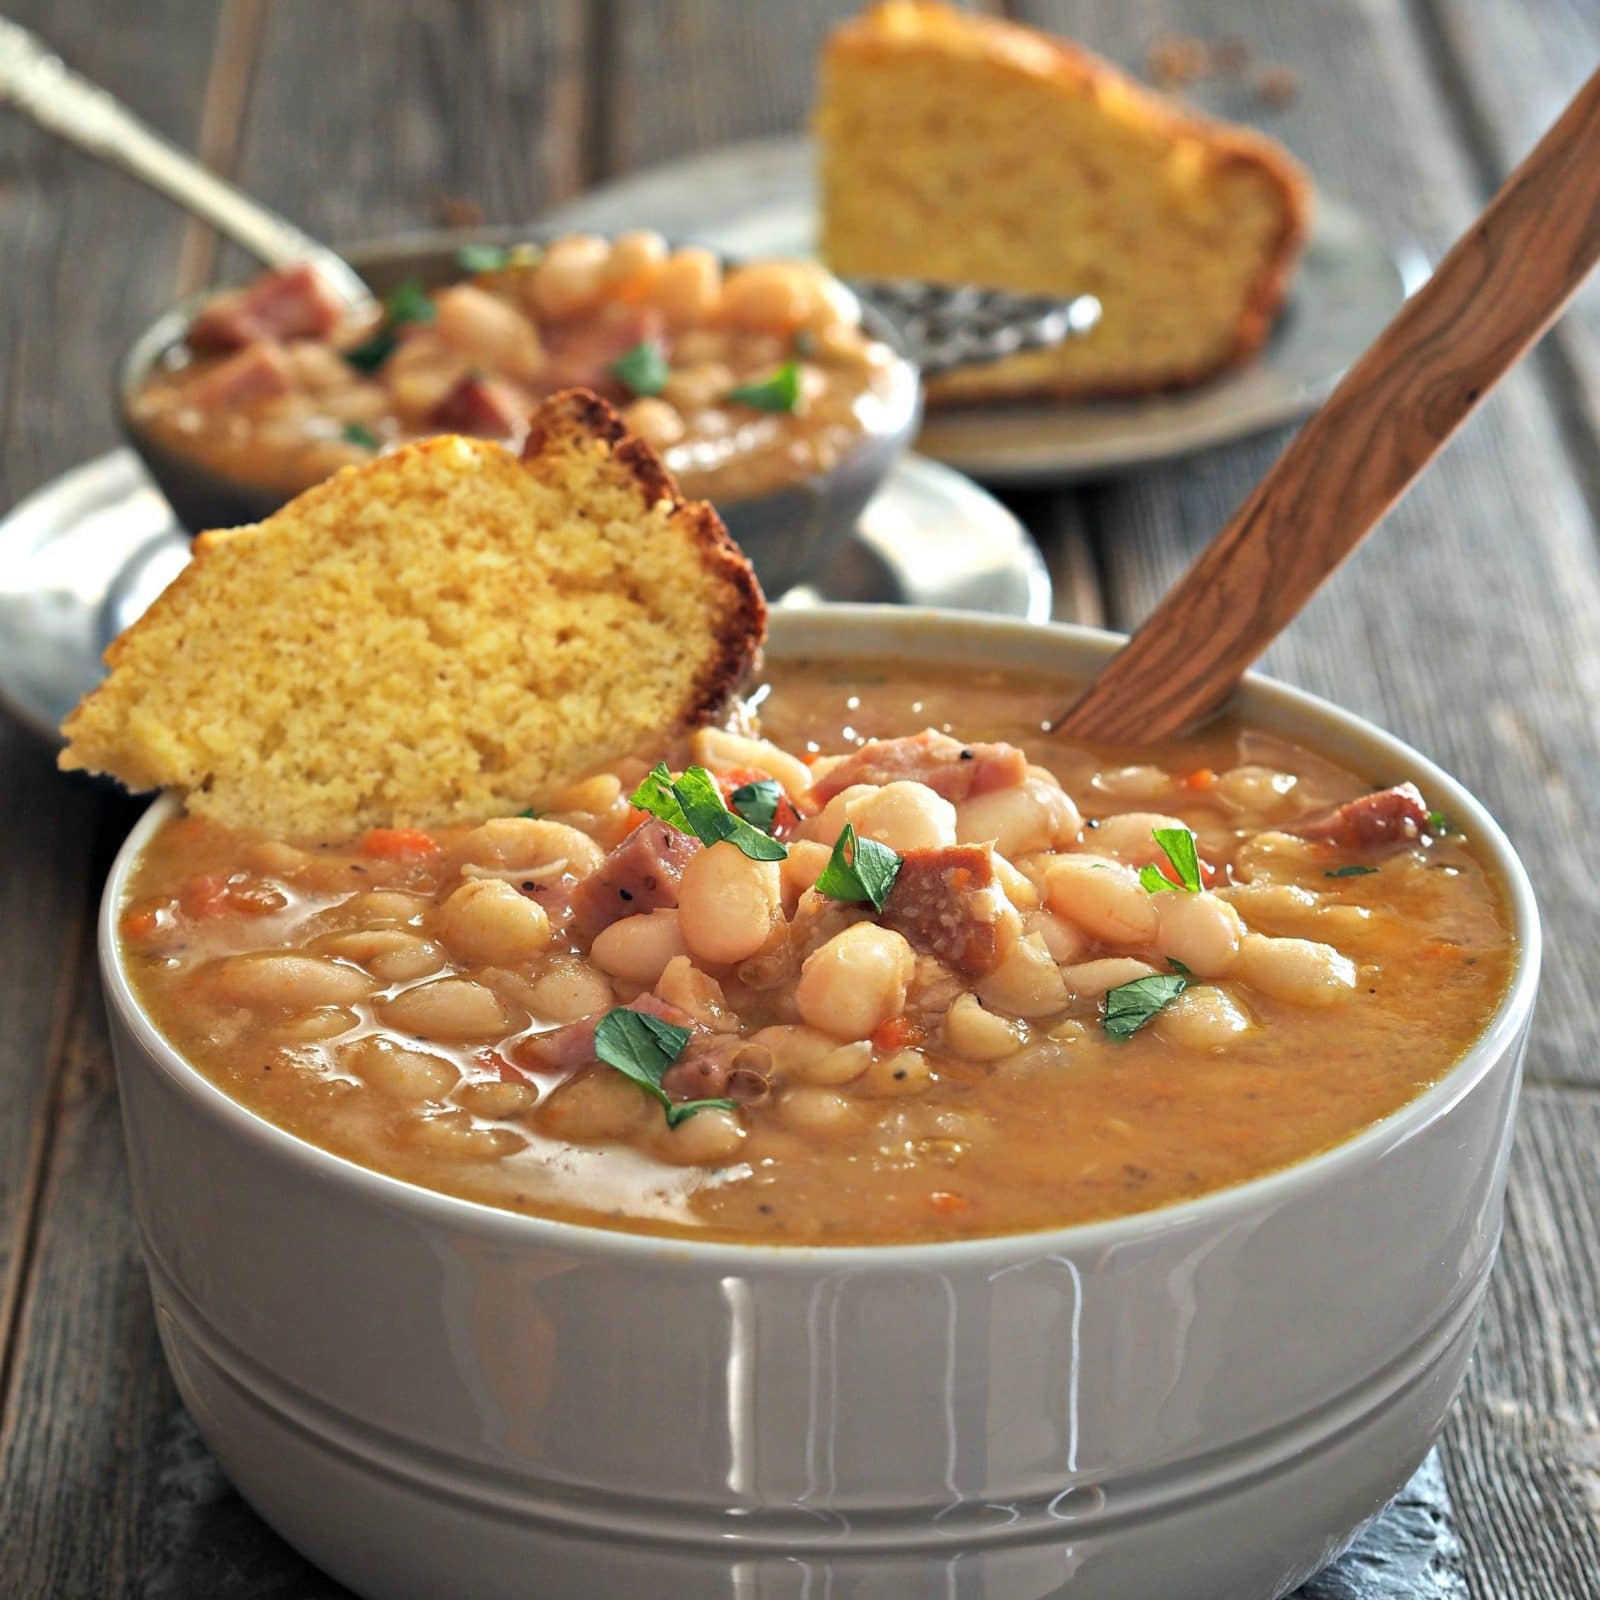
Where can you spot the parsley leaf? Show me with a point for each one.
(1177, 845)
(1130, 1005)
(643, 370)
(1439, 824)
(477, 258)
(693, 804)
(406, 304)
(1349, 872)
(358, 433)
(642, 1047)
(859, 870)
(779, 392)
(757, 803)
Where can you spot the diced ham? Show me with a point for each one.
(580, 353)
(571, 1046)
(950, 904)
(292, 304)
(640, 874)
(948, 767)
(725, 1068)
(484, 407)
(1385, 817)
(259, 372)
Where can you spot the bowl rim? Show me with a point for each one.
(875, 628)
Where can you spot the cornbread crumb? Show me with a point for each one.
(961, 148)
(443, 633)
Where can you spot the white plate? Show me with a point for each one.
(82, 558)
(759, 199)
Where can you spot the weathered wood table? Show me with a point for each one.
(1470, 626)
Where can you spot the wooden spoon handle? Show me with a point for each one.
(1500, 287)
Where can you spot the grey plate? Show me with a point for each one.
(82, 558)
(759, 199)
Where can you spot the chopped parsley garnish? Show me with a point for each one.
(859, 870)
(1178, 966)
(1439, 824)
(1177, 845)
(407, 304)
(642, 1047)
(693, 804)
(357, 433)
(757, 803)
(643, 370)
(1130, 1005)
(779, 392)
(477, 258)
(530, 813)
(1349, 872)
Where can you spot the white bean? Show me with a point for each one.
(518, 844)
(1065, 940)
(447, 1008)
(1299, 971)
(1027, 983)
(978, 1035)
(597, 1105)
(816, 1110)
(390, 954)
(566, 989)
(639, 948)
(571, 277)
(688, 286)
(1199, 930)
(829, 822)
(684, 985)
(727, 904)
(722, 751)
(394, 1069)
(1202, 1018)
(706, 1139)
(486, 922)
(855, 982)
(902, 1072)
(1105, 898)
(800, 869)
(904, 816)
(282, 978)
(1033, 815)
(1089, 979)
(1129, 837)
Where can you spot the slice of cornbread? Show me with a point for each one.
(968, 150)
(446, 632)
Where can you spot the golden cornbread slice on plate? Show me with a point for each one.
(964, 149)
(445, 632)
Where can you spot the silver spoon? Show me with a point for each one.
(942, 327)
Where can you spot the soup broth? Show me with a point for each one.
(1021, 1038)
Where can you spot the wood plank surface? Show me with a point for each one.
(1510, 68)
(62, 317)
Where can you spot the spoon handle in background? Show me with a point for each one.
(38, 82)
(1502, 284)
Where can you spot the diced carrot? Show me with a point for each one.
(140, 924)
(205, 897)
(398, 844)
(948, 1204)
(1200, 778)
(897, 1033)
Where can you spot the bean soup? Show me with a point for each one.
(897, 967)
(744, 380)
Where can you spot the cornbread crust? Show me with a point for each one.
(910, 30)
(443, 633)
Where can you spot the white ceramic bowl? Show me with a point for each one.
(432, 1397)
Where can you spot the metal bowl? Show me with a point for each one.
(788, 534)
